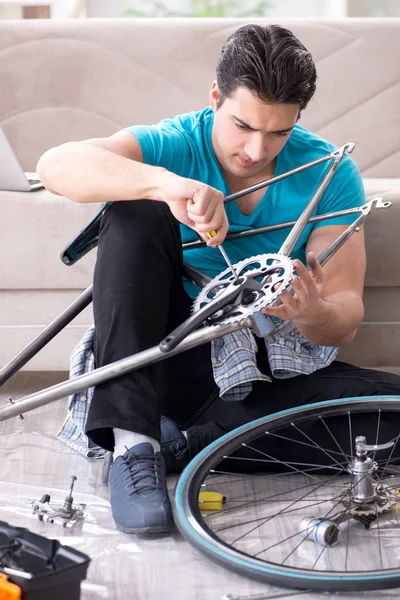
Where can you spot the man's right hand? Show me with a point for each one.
(197, 205)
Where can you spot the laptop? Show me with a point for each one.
(12, 176)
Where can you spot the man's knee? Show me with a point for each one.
(139, 222)
(136, 213)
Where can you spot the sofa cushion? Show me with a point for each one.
(39, 226)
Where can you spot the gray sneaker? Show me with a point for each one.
(138, 492)
(174, 449)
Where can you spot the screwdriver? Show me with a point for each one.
(210, 235)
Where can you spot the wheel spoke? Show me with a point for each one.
(315, 444)
(269, 475)
(390, 455)
(284, 437)
(268, 518)
(347, 543)
(272, 459)
(323, 518)
(346, 456)
(253, 502)
(281, 511)
(350, 434)
(306, 536)
(275, 461)
(377, 433)
(341, 519)
(379, 535)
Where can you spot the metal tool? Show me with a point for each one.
(65, 514)
(213, 233)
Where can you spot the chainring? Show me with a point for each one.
(268, 269)
(385, 499)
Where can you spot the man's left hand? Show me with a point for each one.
(307, 285)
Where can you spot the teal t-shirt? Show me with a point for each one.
(183, 145)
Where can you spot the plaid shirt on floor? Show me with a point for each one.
(234, 364)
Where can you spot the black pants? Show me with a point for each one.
(138, 297)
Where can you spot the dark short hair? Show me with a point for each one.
(269, 61)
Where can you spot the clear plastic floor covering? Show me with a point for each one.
(33, 463)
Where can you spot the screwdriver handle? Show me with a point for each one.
(211, 234)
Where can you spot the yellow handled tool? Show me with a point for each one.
(211, 501)
(210, 235)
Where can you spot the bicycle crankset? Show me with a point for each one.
(226, 299)
(272, 272)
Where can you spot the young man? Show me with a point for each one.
(168, 182)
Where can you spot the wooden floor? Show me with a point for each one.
(33, 462)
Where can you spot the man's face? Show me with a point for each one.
(247, 133)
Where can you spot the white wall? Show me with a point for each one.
(308, 8)
(372, 8)
(114, 8)
(279, 8)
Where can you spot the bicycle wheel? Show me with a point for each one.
(306, 506)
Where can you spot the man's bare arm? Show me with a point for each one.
(99, 170)
(335, 318)
(112, 169)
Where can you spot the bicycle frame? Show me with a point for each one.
(200, 336)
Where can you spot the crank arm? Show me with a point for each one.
(231, 295)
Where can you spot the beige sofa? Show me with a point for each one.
(70, 80)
